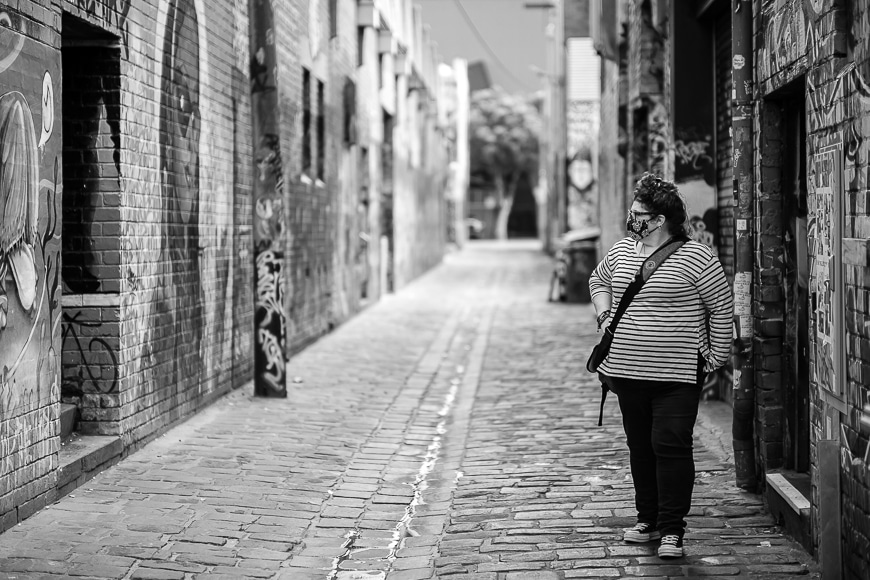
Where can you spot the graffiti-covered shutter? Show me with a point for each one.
(724, 172)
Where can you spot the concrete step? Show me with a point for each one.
(84, 456)
(788, 500)
(68, 417)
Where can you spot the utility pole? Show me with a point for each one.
(741, 126)
(270, 367)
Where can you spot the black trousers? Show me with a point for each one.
(659, 418)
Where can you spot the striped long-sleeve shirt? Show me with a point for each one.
(684, 308)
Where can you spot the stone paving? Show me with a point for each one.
(448, 431)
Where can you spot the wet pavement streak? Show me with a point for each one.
(448, 431)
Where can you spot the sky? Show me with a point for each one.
(515, 34)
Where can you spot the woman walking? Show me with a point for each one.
(676, 329)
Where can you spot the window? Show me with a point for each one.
(321, 133)
(349, 110)
(306, 121)
(333, 18)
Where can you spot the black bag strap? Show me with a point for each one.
(643, 274)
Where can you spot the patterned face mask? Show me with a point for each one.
(638, 229)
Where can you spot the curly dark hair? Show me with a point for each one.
(662, 197)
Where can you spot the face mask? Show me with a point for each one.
(638, 229)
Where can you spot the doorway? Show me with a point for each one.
(796, 453)
(90, 246)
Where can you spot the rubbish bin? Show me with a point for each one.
(581, 255)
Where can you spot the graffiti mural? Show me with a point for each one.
(97, 363)
(582, 182)
(785, 38)
(112, 12)
(847, 92)
(269, 321)
(180, 289)
(19, 179)
(825, 189)
(29, 246)
(269, 221)
(659, 137)
(695, 173)
(694, 124)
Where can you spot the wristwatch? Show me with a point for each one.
(602, 317)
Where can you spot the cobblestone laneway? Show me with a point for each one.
(449, 431)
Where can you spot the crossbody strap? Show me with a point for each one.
(643, 274)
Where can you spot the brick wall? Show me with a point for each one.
(349, 258)
(420, 188)
(310, 209)
(151, 317)
(185, 170)
(30, 233)
(830, 46)
(768, 296)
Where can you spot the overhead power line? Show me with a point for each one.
(486, 45)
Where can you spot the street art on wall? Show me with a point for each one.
(582, 140)
(839, 164)
(658, 134)
(695, 174)
(94, 356)
(112, 12)
(180, 290)
(179, 243)
(269, 227)
(849, 91)
(693, 121)
(29, 243)
(825, 191)
(19, 179)
(784, 39)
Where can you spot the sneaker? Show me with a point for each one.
(640, 533)
(671, 546)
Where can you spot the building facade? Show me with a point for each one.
(758, 110)
(167, 197)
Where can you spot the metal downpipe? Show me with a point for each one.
(742, 118)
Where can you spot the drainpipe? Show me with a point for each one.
(742, 118)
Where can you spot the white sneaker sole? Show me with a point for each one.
(670, 552)
(641, 538)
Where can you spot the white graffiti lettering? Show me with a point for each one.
(268, 286)
(112, 11)
(274, 358)
(693, 153)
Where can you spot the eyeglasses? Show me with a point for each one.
(636, 214)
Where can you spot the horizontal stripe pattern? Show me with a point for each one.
(684, 308)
